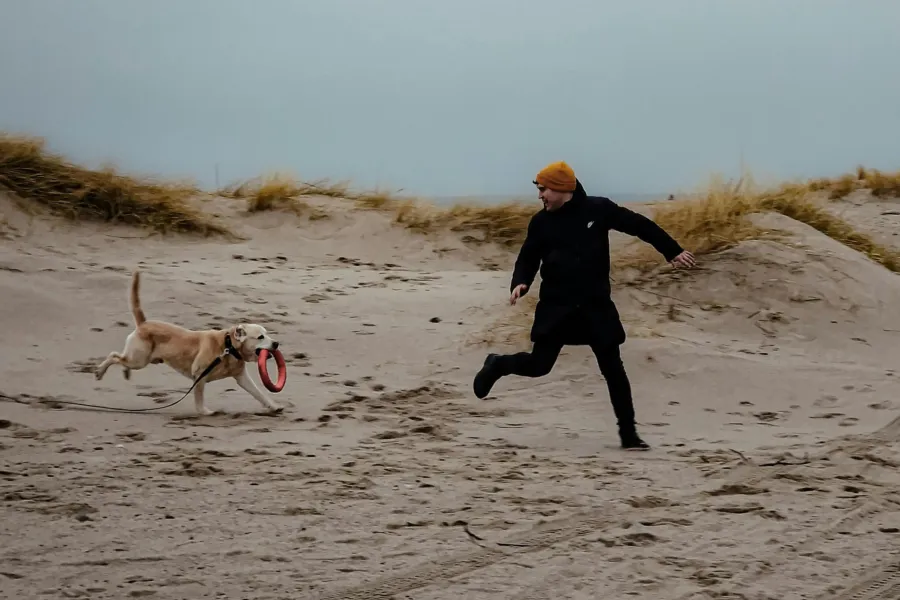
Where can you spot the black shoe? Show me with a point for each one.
(486, 377)
(632, 441)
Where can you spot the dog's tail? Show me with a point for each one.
(136, 311)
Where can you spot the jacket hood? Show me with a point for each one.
(578, 194)
(579, 189)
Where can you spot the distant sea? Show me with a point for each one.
(500, 199)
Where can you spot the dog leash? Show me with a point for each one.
(229, 350)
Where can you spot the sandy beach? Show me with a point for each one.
(766, 380)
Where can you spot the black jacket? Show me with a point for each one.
(571, 248)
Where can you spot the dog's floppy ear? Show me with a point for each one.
(240, 334)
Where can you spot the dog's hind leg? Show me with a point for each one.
(135, 355)
(243, 380)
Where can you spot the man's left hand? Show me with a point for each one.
(685, 259)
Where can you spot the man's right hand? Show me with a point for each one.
(684, 260)
(517, 293)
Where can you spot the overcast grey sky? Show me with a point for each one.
(462, 97)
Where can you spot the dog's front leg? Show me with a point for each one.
(198, 400)
(243, 380)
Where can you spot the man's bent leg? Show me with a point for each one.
(609, 359)
(537, 363)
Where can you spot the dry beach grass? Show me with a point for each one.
(49, 181)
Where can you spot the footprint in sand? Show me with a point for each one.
(831, 415)
(316, 298)
(160, 397)
(767, 416)
(883, 405)
(827, 402)
(84, 366)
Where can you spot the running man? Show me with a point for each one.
(569, 242)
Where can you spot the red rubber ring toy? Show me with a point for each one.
(264, 371)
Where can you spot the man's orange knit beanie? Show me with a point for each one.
(557, 176)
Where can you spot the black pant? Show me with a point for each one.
(543, 355)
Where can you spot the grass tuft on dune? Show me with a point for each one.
(281, 191)
(716, 218)
(36, 176)
(880, 184)
(272, 191)
(503, 224)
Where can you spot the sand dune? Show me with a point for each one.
(767, 381)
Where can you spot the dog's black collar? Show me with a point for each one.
(230, 349)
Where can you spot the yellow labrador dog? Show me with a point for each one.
(191, 352)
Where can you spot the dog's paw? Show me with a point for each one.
(275, 410)
(98, 374)
(126, 373)
(206, 412)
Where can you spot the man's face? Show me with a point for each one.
(552, 199)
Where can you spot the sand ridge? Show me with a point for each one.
(765, 380)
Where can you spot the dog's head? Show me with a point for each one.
(250, 338)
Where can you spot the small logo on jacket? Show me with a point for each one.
(590, 223)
